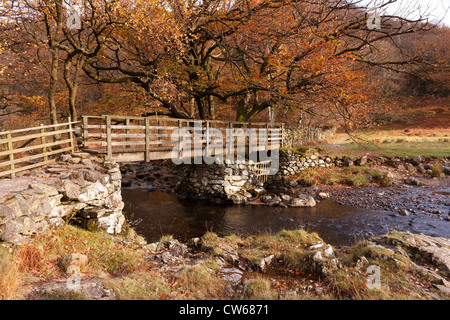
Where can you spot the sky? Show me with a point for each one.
(436, 10)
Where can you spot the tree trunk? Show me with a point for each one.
(53, 85)
(53, 42)
(72, 84)
(212, 107)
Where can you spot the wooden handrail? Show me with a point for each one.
(17, 155)
(39, 128)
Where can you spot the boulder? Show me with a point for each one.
(410, 168)
(70, 190)
(431, 251)
(411, 181)
(74, 160)
(416, 160)
(91, 175)
(93, 191)
(322, 264)
(446, 170)
(263, 263)
(65, 157)
(11, 230)
(420, 169)
(51, 191)
(228, 253)
(362, 161)
(302, 201)
(274, 201)
(324, 195)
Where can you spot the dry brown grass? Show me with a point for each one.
(10, 278)
(30, 259)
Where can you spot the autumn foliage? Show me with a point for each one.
(216, 59)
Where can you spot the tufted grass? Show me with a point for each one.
(10, 276)
(104, 252)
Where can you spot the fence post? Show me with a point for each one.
(230, 144)
(108, 137)
(147, 140)
(160, 132)
(71, 135)
(180, 147)
(44, 148)
(127, 131)
(11, 155)
(85, 130)
(206, 136)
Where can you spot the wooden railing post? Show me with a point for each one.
(159, 132)
(127, 131)
(71, 135)
(108, 137)
(85, 130)
(44, 148)
(206, 135)
(179, 140)
(230, 145)
(11, 155)
(147, 140)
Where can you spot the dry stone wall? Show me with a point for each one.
(294, 136)
(237, 182)
(292, 163)
(79, 186)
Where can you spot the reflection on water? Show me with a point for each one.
(157, 213)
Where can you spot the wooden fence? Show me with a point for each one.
(25, 149)
(148, 138)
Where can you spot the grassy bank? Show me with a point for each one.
(357, 176)
(124, 265)
(392, 143)
(397, 148)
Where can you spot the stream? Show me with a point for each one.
(157, 213)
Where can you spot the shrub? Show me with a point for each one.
(382, 179)
(357, 181)
(436, 171)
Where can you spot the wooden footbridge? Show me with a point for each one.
(148, 138)
(124, 139)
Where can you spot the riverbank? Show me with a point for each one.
(72, 263)
(288, 265)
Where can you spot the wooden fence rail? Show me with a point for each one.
(29, 148)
